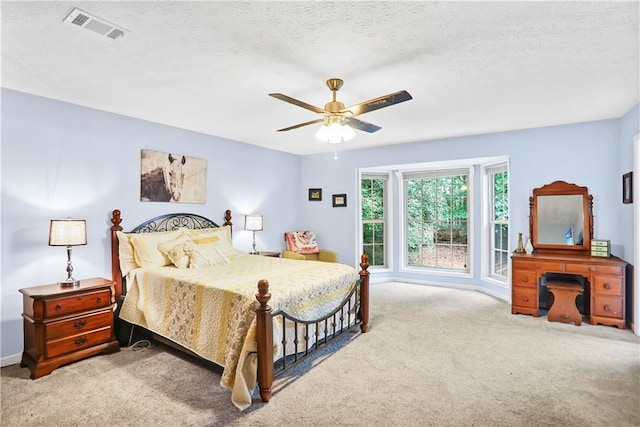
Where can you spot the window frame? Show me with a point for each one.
(426, 171)
(488, 235)
(387, 220)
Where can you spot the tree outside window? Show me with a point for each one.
(373, 218)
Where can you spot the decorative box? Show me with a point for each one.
(601, 248)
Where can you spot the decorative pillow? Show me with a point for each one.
(220, 236)
(176, 250)
(125, 253)
(145, 248)
(206, 255)
(302, 242)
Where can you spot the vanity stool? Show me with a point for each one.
(564, 307)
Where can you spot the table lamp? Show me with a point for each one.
(68, 232)
(253, 222)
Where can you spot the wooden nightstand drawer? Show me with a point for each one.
(77, 342)
(76, 303)
(77, 325)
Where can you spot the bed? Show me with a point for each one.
(184, 282)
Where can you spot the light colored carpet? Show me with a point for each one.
(432, 357)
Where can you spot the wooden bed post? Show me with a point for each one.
(116, 274)
(227, 219)
(264, 338)
(364, 292)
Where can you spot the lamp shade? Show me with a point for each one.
(68, 232)
(253, 222)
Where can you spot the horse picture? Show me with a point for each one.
(170, 177)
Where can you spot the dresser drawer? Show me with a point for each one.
(548, 266)
(77, 342)
(525, 297)
(594, 269)
(80, 302)
(525, 278)
(608, 285)
(607, 307)
(77, 325)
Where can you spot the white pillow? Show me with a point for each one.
(220, 236)
(206, 255)
(176, 250)
(145, 248)
(125, 253)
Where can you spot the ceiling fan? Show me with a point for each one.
(335, 111)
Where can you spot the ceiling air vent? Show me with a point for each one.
(83, 19)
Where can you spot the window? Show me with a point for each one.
(498, 180)
(373, 189)
(437, 215)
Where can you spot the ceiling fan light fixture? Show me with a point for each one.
(335, 132)
(323, 133)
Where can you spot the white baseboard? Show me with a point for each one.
(10, 360)
(481, 289)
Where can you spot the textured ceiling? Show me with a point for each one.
(472, 67)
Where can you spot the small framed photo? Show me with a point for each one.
(627, 188)
(315, 194)
(339, 200)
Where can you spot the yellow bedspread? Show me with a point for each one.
(211, 311)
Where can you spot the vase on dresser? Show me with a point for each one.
(528, 248)
(520, 247)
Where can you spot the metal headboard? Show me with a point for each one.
(174, 221)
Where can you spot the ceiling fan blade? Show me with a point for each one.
(301, 125)
(380, 102)
(361, 125)
(294, 101)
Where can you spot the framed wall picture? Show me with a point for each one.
(315, 194)
(627, 188)
(339, 200)
(171, 177)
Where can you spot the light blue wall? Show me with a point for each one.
(629, 127)
(586, 154)
(61, 160)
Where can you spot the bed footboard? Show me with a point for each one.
(264, 328)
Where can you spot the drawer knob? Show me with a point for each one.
(525, 279)
(525, 299)
(58, 307)
(79, 324)
(607, 286)
(80, 341)
(98, 299)
(607, 308)
(592, 269)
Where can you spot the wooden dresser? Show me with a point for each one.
(605, 278)
(63, 325)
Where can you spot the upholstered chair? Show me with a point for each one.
(303, 245)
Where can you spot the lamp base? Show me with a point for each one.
(69, 283)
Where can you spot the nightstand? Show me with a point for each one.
(269, 253)
(64, 325)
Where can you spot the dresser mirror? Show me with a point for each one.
(561, 217)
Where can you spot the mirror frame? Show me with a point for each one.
(562, 188)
